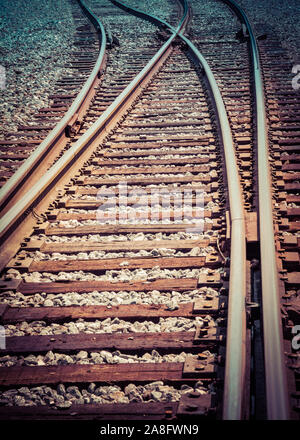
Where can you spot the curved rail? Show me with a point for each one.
(236, 330)
(275, 373)
(13, 216)
(58, 132)
(235, 357)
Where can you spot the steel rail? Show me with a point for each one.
(236, 330)
(58, 132)
(10, 219)
(275, 370)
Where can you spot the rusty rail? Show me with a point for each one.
(235, 363)
(56, 135)
(275, 373)
(236, 330)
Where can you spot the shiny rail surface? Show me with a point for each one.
(236, 329)
(275, 374)
(78, 107)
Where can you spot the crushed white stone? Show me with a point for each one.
(63, 397)
(107, 325)
(171, 299)
(96, 255)
(152, 274)
(185, 235)
(95, 357)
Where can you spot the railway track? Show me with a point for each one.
(128, 269)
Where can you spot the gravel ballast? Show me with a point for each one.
(62, 397)
(108, 325)
(34, 49)
(101, 357)
(171, 299)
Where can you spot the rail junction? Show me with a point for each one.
(149, 227)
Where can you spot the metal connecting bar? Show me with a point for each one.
(11, 217)
(58, 131)
(236, 330)
(275, 373)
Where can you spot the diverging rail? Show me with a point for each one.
(109, 118)
(236, 330)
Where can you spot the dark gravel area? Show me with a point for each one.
(36, 40)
